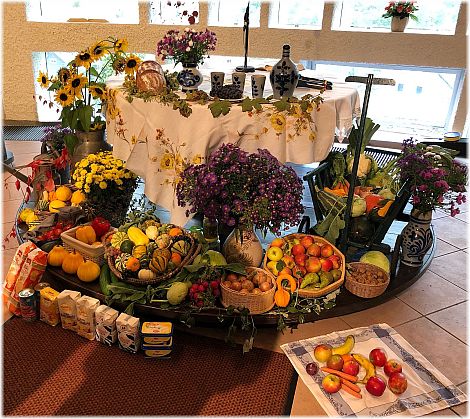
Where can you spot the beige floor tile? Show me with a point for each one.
(12, 242)
(439, 214)
(452, 231)
(431, 293)
(443, 350)
(10, 209)
(22, 159)
(10, 193)
(464, 216)
(6, 314)
(23, 147)
(393, 312)
(304, 403)
(445, 412)
(453, 319)
(462, 409)
(452, 267)
(7, 256)
(442, 248)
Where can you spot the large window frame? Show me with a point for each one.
(216, 11)
(276, 10)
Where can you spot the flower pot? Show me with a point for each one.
(88, 143)
(243, 246)
(190, 78)
(398, 24)
(417, 238)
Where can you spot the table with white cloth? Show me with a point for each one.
(157, 142)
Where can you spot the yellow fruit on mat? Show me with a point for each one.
(56, 256)
(63, 193)
(55, 205)
(88, 271)
(71, 262)
(86, 234)
(24, 214)
(77, 197)
(31, 218)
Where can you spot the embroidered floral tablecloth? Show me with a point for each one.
(157, 142)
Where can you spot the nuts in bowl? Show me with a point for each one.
(366, 280)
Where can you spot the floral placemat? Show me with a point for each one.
(428, 390)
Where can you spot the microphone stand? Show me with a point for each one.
(246, 28)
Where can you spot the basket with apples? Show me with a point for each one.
(317, 266)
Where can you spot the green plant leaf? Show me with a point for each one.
(220, 107)
(281, 105)
(71, 142)
(93, 72)
(247, 105)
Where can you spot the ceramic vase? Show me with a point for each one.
(417, 238)
(243, 246)
(284, 76)
(88, 143)
(190, 78)
(398, 24)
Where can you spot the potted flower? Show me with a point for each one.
(189, 48)
(400, 12)
(243, 191)
(437, 181)
(80, 91)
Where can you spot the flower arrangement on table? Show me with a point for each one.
(437, 179)
(79, 88)
(401, 9)
(243, 190)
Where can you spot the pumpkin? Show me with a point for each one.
(88, 271)
(118, 238)
(281, 297)
(56, 256)
(158, 264)
(176, 258)
(132, 264)
(121, 262)
(126, 246)
(162, 252)
(137, 236)
(139, 251)
(151, 232)
(182, 247)
(77, 198)
(146, 275)
(163, 241)
(71, 262)
(63, 193)
(291, 279)
(85, 234)
(175, 231)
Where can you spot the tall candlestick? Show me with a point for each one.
(246, 28)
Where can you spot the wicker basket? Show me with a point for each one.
(93, 253)
(366, 290)
(329, 288)
(256, 303)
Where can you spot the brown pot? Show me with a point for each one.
(398, 24)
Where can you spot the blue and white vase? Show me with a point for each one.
(190, 78)
(417, 238)
(284, 76)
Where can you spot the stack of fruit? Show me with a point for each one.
(55, 200)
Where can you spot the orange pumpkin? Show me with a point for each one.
(176, 258)
(175, 231)
(133, 264)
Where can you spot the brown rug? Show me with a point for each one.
(51, 371)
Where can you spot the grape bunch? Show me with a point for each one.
(204, 293)
(229, 91)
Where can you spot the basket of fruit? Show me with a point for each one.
(254, 291)
(317, 265)
(149, 253)
(366, 280)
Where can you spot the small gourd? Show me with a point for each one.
(118, 238)
(56, 256)
(132, 264)
(382, 212)
(88, 271)
(146, 275)
(137, 236)
(71, 262)
(144, 260)
(281, 297)
(291, 279)
(126, 246)
(139, 251)
(151, 232)
(163, 241)
(181, 247)
(162, 252)
(86, 234)
(121, 262)
(151, 248)
(158, 264)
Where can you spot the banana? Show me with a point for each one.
(346, 347)
(367, 365)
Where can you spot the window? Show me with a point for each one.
(112, 11)
(437, 16)
(231, 13)
(174, 12)
(296, 14)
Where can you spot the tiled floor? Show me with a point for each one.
(431, 314)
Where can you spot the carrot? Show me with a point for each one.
(348, 377)
(350, 385)
(351, 392)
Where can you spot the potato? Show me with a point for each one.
(232, 277)
(227, 284)
(256, 291)
(236, 286)
(247, 285)
(265, 286)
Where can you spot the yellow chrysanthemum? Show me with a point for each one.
(278, 122)
(167, 162)
(119, 182)
(103, 185)
(97, 92)
(121, 45)
(84, 59)
(64, 75)
(132, 63)
(64, 97)
(76, 83)
(98, 50)
(43, 80)
(87, 189)
(79, 185)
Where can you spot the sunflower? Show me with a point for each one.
(119, 64)
(64, 97)
(64, 75)
(43, 80)
(120, 45)
(84, 59)
(76, 83)
(132, 63)
(97, 91)
(98, 50)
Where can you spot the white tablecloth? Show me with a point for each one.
(157, 142)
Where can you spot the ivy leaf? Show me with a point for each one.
(281, 105)
(257, 103)
(247, 105)
(220, 107)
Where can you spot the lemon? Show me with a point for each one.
(63, 193)
(55, 205)
(78, 197)
(25, 213)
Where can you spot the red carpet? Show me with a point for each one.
(52, 371)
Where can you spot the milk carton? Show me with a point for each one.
(68, 308)
(49, 307)
(86, 307)
(128, 329)
(106, 324)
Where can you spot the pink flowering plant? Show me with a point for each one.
(401, 9)
(188, 46)
(243, 190)
(437, 179)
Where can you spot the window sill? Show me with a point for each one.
(387, 30)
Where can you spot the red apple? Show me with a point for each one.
(322, 352)
(326, 250)
(300, 259)
(336, 260)
(376, 386)
(351, 367)
(326, 265)
(331, 383)
(397, 383)
(335, 362)
(299, 271)
(313, 265)
(289, 261)
(306, 241)
(391, 366)
(314, 250)
(297, 249)
(378, 357)
(311, 368)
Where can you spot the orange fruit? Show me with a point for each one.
(176, 258)
(175, 231)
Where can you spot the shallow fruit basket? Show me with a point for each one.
(256, 303)
(366, 289)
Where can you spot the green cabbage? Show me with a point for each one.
(177, 293)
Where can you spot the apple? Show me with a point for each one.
(326, 265)
(378, 357)
(300, 259)
(278, 242)
(306, 241)
(335, 362)
(271, 265)
(347, 357)
(289, 261)
(351, 367)
(298, 271)
(376, 386)
(314, 250)
(397, 383)
(391, 366)
(313, 265)
(336, 260)
(311, 368)
(326, 250)
(322, 352)
(297, 249)
(331, 383)
(275, 254)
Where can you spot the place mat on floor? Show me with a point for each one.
(428, 390)
(52, 371)
(23, 133)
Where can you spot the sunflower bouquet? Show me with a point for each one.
(80, 89)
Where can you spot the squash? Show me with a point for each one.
(162, 252)
(88, 271)
(56, 256)
(175, 231)
(151, 232)
(158, 264)
(181, 247)
(137, 236)
(147, 223)
(132, 264)
(139, 251)
(121, 262)
(378, 213)
(151, 247)
(290, 278)
(85, 234)
(146, 275)
(163, 241)
(372, 201)
(118, 238)
(144, 260)
(281, 297)
(382, 212)
(63, 193)
(71, 262)
(55, 205)
(77, 198)
(126, 246)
